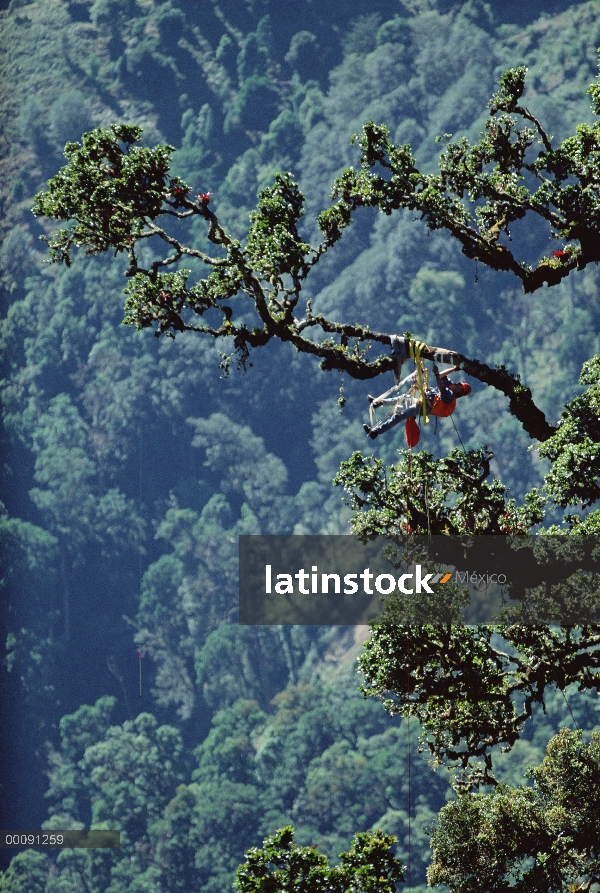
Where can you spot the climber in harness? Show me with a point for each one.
(439, 402)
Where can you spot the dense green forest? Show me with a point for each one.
(132, 464)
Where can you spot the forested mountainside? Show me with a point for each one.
(132, 464)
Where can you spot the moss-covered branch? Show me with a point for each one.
(113, 194)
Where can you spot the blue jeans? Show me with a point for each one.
(410, 412)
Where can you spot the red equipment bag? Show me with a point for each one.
(412, 432)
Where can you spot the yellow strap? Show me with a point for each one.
(415, 348)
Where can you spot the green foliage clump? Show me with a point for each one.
(426, 496)
(540, 837)
(575, 448)
(27, 873)
(368, 866)
(110, 190)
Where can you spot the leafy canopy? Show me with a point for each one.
(369, 866)
(540, 837)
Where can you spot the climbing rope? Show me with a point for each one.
(409, 793)
(562, 691)
(458, 435)
(408, 761)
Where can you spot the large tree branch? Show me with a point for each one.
(112, 198)
(521, 403)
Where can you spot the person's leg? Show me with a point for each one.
(395, 392)
(387, 401)
(395, 419)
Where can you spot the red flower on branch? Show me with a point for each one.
(560, 254)
(204, 197)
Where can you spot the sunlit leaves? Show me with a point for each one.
(274, 246)
(369, 866)
(106, 192)
(472, 695)
(575, 447)
(533, 838)
(426, 496)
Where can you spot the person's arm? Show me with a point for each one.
(445, 392)
(445, 373)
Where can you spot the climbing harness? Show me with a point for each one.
(405, 399)
(418, 380)
(415, 348)
(422, 401)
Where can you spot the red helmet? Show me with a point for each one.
(466, 387)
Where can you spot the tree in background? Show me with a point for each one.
(281, 865)
(540, 837)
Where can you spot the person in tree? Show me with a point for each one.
(440, 402)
